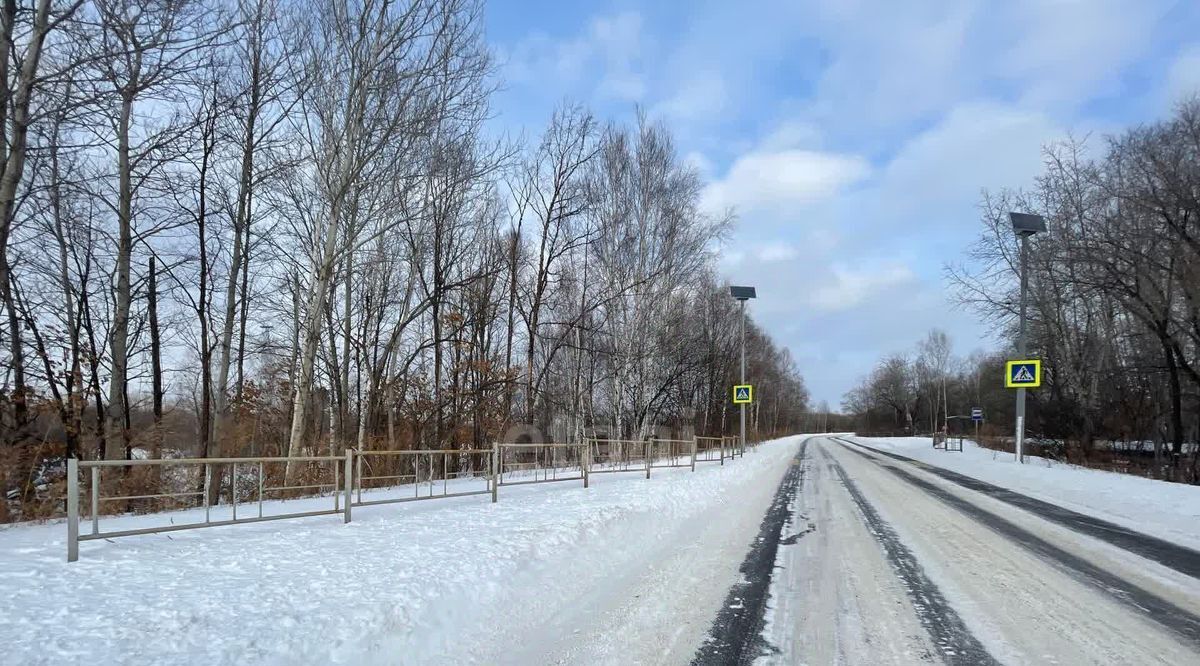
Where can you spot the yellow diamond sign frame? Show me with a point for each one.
(1023, 374)
(743, 394)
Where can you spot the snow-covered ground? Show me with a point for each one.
(629, 570)
(1169, 511)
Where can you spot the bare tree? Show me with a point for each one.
(146, 47)
(22, 37)
(396, 72)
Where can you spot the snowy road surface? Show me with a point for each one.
(895, 565)
(810, 550)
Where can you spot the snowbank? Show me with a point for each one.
(1169, 511)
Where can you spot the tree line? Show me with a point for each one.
(272, 227)
(1114, 299)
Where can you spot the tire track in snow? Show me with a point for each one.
(1179, 621)
(947, 630)
(1180, 558)
(736, 634)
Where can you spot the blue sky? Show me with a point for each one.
(853, 137)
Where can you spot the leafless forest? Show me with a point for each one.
(273, 227)
(1114, 309)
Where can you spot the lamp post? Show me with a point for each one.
(1024, 225)
(743, 294)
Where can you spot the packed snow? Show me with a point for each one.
(1024, 604)
(628, 569)
(1169, 511)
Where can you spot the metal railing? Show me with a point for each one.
(610, 456)
(422, 469)
(716, 449)
(734, 448)
(538, 463)
(346, 477)
(339, 483)
(673, 453)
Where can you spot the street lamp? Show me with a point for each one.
(743, 294)
(1024, 225)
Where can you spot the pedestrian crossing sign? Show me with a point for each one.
(743, 394)
(1023, 374)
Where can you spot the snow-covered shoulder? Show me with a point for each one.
(1169, 511)
(459, 580)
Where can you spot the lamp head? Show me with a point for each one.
(742, 293)
(1025, 224)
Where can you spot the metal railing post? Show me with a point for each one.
(207, 483)
(495, 470)
(349, 483)
(95, 500)
(72, 510)
(649, 455)
(260, 488)
(358, 475)
(233, 488)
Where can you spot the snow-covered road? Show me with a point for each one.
(897, 565)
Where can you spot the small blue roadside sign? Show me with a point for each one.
(976, 414)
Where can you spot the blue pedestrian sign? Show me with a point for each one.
(743, 394)
(1023, 374)
(976, 414)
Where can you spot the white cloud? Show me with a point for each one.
(780, 251)
(1066, 52)
(888, 62)
(894, 66)
(1183, 77)
(850, 288)
(702, 95)
(698, 161)
(775, 180)
(792, 133)
(606, 57)
(974, 146)
(618, 40)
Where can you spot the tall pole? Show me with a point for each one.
(1021, 348)
(743, 405)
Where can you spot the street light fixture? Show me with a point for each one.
(743, 294)
(1024, 225)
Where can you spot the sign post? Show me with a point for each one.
(1024, 225)
(743, 394)
(743, 294)
(1021, 375)
(977, 418)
